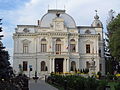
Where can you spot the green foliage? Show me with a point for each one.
(76, 82)
(102, 84)
(5, 69)
(114, 37)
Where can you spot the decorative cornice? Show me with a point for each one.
(89, 35)
(47, 34)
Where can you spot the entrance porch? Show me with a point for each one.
(60, 65)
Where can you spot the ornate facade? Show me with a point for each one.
(56, 44)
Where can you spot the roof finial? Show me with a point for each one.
(96, 16)
(96, 12)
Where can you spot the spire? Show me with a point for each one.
(96, 17)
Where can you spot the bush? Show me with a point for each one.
(75, 82)
(117, 87)
(102, 84)
(110, 77)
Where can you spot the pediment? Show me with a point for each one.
(88, 41)
(26, 41)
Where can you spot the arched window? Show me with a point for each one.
(87, 65)
(99, 36)
(43, 66)
(58, 46)
(72, 45)
(73, 66)
(43, 45)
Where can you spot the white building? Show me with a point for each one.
(56, 44)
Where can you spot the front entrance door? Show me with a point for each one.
(59, 65)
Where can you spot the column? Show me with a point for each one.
(50, 65)
(53, 65)
(67, 65)
(64, 65)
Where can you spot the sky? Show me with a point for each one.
(27, 12)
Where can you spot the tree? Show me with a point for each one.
(5, 69)
(113, 41)
(114, 37)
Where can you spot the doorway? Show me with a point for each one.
(59, 65)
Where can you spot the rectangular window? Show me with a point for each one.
(25, 64)
(43, 47)
(58, 48)
(72, 48)
(25, 48)
(87, 48)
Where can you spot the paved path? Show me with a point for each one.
(40, 85)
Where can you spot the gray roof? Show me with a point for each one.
(46, 20)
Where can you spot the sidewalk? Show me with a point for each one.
(40, 85)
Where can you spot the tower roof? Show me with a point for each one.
(96, 22)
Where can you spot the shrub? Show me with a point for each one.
(117, 87)
(75, 82)
(102, 84)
